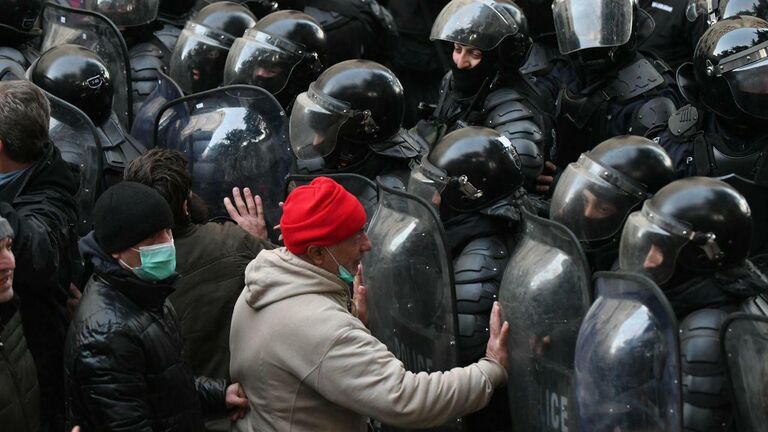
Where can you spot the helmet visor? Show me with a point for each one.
(478, 23)
(314, 128)
(262, 60)
(749, 86)
(428, 182)
(198, 59)
(126, 13)
(582, 24)
(592, 200)
(648, 248)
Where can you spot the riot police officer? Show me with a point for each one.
(595, 194)
(282, 53)
(722, 131)
(483, 86)
(474, 177)
(675, 33)
(200, 53)
(617, 91)
(692, 239)
(17, 30)
(78, 76)
(349, 121)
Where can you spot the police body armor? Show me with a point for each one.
(711, 156)
(593, 116)
(234, 136)
(14, 61)
(410, 283)
(545, 293)
(63, 25)
(148, 60)
(166, 90)
(627, 362)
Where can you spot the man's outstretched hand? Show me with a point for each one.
(360, 297)
(248, 212)
(497, 343)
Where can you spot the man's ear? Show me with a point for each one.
(316, 254)
(185, 207)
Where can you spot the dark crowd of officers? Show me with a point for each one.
(570, 159)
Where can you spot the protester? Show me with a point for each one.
(123, 362)
(19, 391)
(37, 198)
(307, 362)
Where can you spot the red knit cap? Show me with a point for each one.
(321, 213)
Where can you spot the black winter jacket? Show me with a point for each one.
(19, 392)
(123, 364)
(40, 206)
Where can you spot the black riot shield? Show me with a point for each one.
(73, 133)
(544, 294)
(745, 346)
(757, 197)
(361, 187)
(235, 136)
(628, 358)
(64, 25)
(144, 124)
(411, 300)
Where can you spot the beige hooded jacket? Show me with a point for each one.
(307, 364)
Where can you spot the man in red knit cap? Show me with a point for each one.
(307, 363)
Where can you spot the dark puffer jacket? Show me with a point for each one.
(19, 392)
(123, 366)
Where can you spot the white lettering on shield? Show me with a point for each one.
(557, 411)
(414, 361)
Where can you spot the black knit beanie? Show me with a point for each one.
(127, 213)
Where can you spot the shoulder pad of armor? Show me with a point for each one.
(10, 70)
(635, 79)
(480, 260)
(476, 297)
(701, 358)
(167, 36)
(526, 129)
(12, 54)
(652, 113)
(500, 96)
(539, 59)
(508, 112)
(684, 121)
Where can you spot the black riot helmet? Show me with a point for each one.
(732, 8)
(355, 101)
(694, 225)
(198, 59)
(486, 25)
(78, 76)
(729, 67)
(595, 194)
(470, 168)
(18, 17)
(282, 54)
(125, 13)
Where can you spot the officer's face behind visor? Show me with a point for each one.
(466, 57)
(313, 128)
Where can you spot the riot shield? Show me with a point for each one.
(627, 364)
(235, 136)
(745, 346)
(73, 133)
(64, 25)
(544, 294)
(411, 300)
(144, 123)
(361, 187)
(757, 197)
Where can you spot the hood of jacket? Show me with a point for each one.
(278, 274)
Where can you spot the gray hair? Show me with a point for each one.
(24, 117)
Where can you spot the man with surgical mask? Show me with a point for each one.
(123, 363)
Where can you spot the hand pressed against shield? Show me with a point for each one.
(248, 212)
(497, 343)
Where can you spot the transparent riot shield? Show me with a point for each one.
(544, 294)
(144, 124)
(411, 300)
(361, 187)
(628, 358)
(745, 343)
(73, 133)
(235, 136)
(757, 197)
(64, 25)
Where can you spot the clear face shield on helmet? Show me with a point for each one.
(582, 24)
(197, 60)
(651, 244)
(316, 119)
(747, 75)
(481, 24)
(265, 61)
(125, 13)
(594, 200)
(706, 8)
